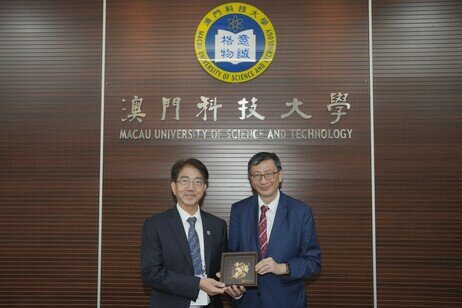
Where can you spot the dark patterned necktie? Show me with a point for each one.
(194, 246)
(262, 237)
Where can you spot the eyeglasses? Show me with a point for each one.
(268, 176)
(198, 182)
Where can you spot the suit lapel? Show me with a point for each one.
(254, 219)
(178, 230)
(207, 229)
(280, 216)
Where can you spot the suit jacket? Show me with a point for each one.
(292, 240)
(166, 264)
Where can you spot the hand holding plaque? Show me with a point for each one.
(238, 268)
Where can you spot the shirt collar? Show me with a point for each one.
(185, 215)
(273, 205)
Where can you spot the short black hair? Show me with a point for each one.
(259, 157)
(193, 162)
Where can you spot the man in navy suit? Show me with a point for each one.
(282, 230)
(181, 247)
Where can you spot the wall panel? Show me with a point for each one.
(50, 71)
(321, 48)
(418, 78)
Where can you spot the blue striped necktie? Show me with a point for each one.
(194, 246)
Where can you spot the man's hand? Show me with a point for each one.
(211, 286)
(268, 265)
(234, 291)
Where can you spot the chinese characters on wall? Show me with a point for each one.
(208, 110)
(248, 109)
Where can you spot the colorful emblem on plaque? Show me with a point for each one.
(235, 42)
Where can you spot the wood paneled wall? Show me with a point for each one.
(321, 48)
(50, 83)
(418, 91)
(50, 71)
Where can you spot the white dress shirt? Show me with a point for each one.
(270, 213)
(203, 299)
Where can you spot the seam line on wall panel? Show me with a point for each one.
(101, 155)
(371, 99)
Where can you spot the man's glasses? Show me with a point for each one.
(185, 181)
(268, 176)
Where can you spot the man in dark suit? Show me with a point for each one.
(181, 247)
(282, 230)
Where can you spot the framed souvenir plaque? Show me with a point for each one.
(238, 268)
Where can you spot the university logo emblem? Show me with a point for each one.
(235, 42)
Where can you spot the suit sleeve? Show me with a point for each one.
(154, 272)
(308, 262)
(225, 238)
(233, 244)
(224, 248)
